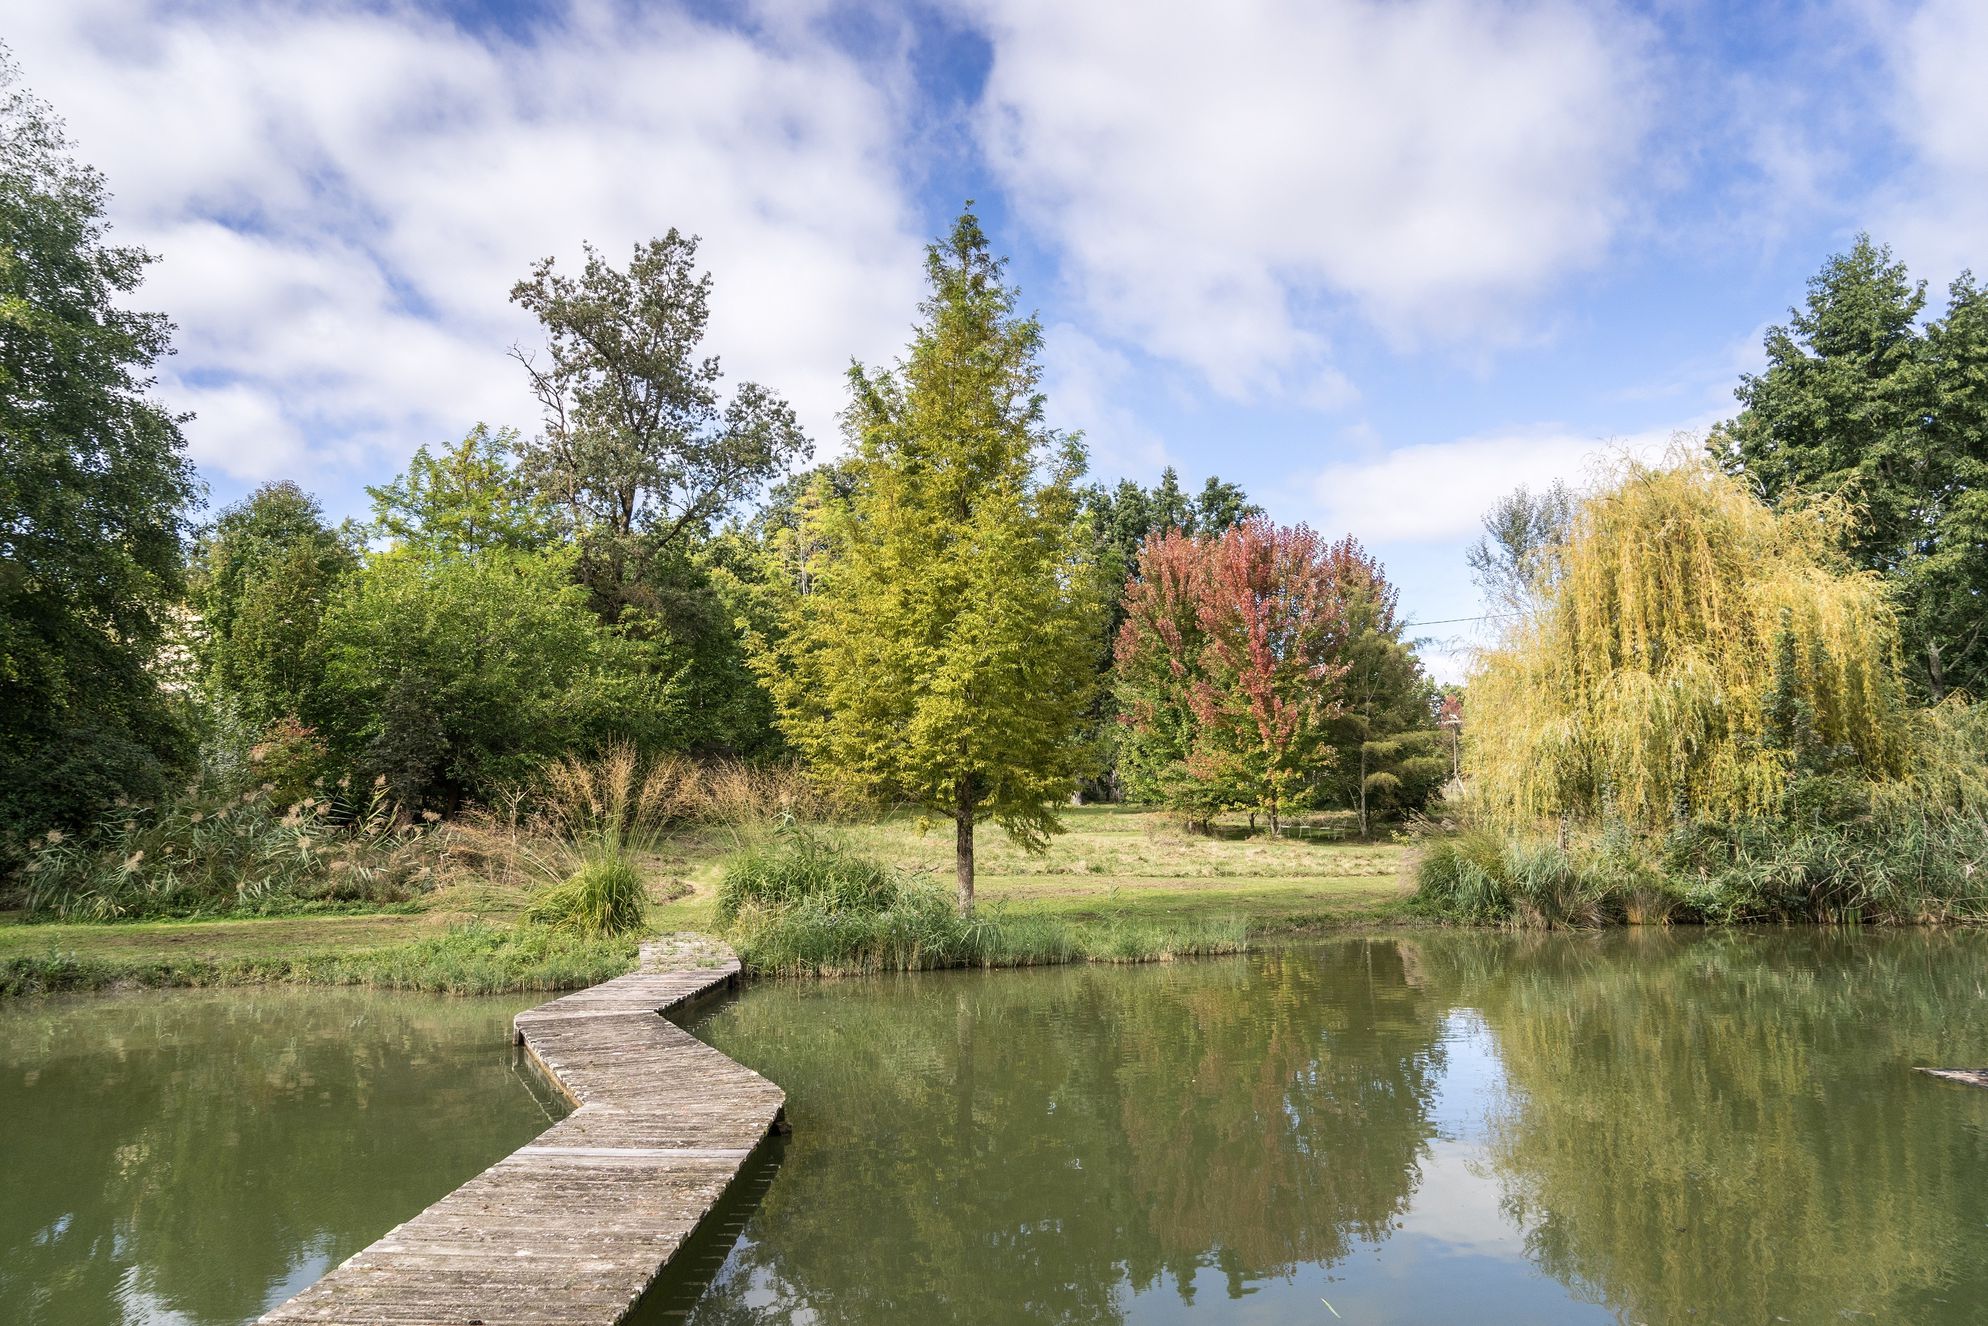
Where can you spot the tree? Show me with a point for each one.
(263, 573)
(1390, 756)
(1230, 664)
(449, 675)
(1512, 561)
(1860, 401)
(637, 445)
(1691, 634)
(1274, 617)
(943, 651)
(1123, 518)
(93, 493)
(1157, 666)
(469, 499)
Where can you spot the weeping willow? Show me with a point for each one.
(1695, 654)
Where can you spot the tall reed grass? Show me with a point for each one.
(247, 853)
(1898, 863)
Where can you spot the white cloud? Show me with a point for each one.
(1936, 211)
(1085, 384)
(1437, 491)
(1223, 179)
(343, 196)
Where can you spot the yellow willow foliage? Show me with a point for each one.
(1647, 680)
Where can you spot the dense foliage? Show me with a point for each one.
(1698, 654)
(937, 645)
(1705, 718)
(1866, 400)
(1263, 668)
(93, 496)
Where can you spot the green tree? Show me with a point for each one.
(94, 491)
(943, 651)
(1390, 756)
(1861, 400)
(469, 499)
(449, 675)
(1512, 561)
(637, 445)
(263, 573)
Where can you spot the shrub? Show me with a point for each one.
(800, 864)
(604, 897)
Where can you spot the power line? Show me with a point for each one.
(1451, 621)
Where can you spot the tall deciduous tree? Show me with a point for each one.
(94, 490)
(1512, 560)
(1274, 615)
(944, 652)
(638, 444)
(470, 498)
(1863, 401)
(1231, 665)
(262, 576)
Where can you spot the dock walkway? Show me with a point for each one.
(570, 1230)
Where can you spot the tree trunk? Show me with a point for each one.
(963, 843)
(1934, 672)
(1363, 791)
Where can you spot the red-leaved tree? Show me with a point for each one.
(1229, 665)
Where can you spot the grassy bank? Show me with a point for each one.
(468, 958)
(1122, 885)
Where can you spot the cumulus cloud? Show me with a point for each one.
(343, 195)
(1936, 210)
(1437, 491)
(1223, 180)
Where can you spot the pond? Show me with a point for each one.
(1631, 1127)
(193, 1158)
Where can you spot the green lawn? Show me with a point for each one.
(1113, 863)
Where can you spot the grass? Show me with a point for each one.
(1890, 865)
(1121, 884)
(1115, 866)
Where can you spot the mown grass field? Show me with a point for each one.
(1114, 864)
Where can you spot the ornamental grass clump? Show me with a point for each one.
(603, 898)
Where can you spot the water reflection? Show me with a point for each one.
(1639, 1127)
(196, 1157)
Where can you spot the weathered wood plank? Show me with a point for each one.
(1973, 1077)
(572, 1228)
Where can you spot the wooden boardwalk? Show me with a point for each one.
(570, 1230)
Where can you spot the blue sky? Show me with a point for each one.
(1376, 262)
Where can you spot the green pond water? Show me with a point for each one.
(192, 1158)
(1636, 1127)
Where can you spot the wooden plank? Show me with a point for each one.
(1973, 1077)
(572, 1228)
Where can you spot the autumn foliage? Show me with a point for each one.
(1232, 661)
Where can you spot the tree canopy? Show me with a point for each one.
(1865, 400)
(93, 495)
(1698, 653)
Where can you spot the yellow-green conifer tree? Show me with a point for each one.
(938, 647)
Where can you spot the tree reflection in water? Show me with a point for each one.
(1679, 1127)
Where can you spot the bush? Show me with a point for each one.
(1895, 864)
(800, 864)
(603, 898)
